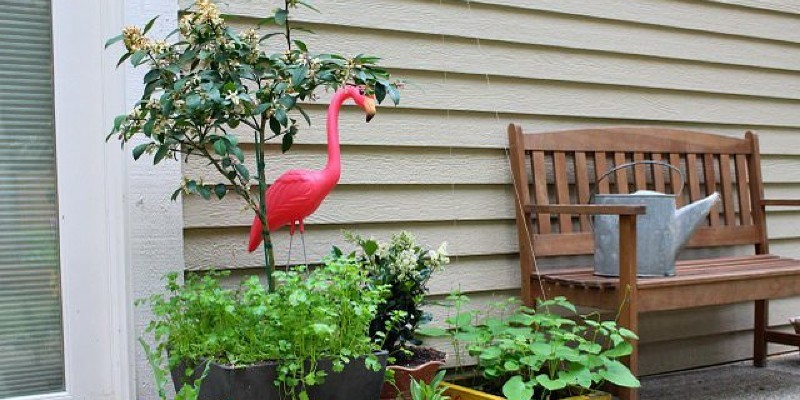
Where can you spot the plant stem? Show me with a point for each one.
(269, 255)
(288, 29)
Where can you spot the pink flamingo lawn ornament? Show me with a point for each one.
(298, 193)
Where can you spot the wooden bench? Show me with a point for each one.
(555, 173)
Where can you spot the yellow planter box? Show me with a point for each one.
(457, 392)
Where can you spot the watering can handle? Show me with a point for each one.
(631, 164)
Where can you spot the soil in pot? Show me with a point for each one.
(256, 382)
(421, 364)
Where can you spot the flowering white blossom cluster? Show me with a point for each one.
(403, 259)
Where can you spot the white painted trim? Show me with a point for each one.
(91, 183)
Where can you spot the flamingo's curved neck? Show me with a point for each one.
(334, 167)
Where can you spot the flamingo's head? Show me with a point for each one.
(367, 103)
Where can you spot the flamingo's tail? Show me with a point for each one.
(255, 235)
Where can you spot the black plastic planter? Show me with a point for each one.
(257, 382)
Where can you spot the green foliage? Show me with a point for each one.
(213, 84)
(432, 391)
(535, 352)
(312, 315)
(405, 267)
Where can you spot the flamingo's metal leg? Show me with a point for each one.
(289, 257)
(303, 241)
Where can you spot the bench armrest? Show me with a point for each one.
(780, 202)
(586, 209)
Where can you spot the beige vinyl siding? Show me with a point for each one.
(437, 164)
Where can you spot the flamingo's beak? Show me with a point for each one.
(369, 107)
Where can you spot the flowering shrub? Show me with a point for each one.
(405, 268)
(214, 80)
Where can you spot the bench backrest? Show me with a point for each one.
(563, 168)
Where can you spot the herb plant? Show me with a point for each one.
(310, 316)
(214, 86)
(432, 391)
(405, 268)
(535, 352)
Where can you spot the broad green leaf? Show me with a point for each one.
(162, 152)
(516, 389)
(550, 384)
(460, 320)
(618, 374)
(286, 143)
(621, 350)
(243, 171)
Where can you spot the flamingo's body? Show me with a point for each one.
(299, 192)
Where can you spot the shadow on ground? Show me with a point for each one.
(741, 381)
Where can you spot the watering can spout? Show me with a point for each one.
(689, 218)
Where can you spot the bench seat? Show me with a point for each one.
(697, 283)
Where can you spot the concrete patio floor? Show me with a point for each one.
(739, 381)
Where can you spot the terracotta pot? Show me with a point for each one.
(402, 379)
(457, 392)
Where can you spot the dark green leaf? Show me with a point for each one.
(274, 125)
(307, 5)
(301, 45)
(137, 57)
(162, 152)
(431, 331)
(139, 150)
(220, 148)
(281, 16)
(380, 92)
(269, 35)
(175, 194)
(220, 190)
(123, 58)
(265, 21)
(113, 40)
(205, 192)
(286, 143)
(236, 151)
(550, 384)
(149, 25)
(304, 114)
(280, 115)
(243, 171)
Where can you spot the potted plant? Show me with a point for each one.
(308, 338)
(405, 268)
(538, 353)
(204, 92)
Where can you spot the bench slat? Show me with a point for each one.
(711, 185)
(540, 189)
(727, 195)
(562, 189)
(582, 183)
(744, 196)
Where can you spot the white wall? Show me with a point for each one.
(155, 239)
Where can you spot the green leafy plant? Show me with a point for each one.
(405, 268)
(433, 391)
(213, 86)
(534, 352)
(310, 316)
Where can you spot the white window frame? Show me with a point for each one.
(92, 212)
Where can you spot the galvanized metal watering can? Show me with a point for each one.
(660, 233)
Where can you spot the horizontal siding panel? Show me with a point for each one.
(417, 166)
(437, 128)
(225, 247)
(783, 6)
(468, 274)
(370, 204)
(701, 16)
(457, 19)
(397, 203)
(408, 51)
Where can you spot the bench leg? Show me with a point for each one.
(760, 333)
(629, 296)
